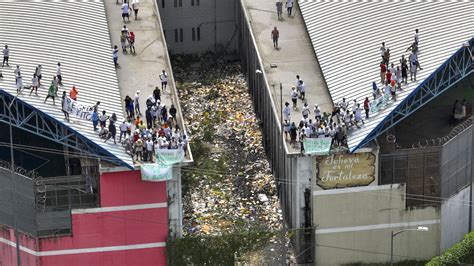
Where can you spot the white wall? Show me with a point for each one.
(355, 225)
(209, 14)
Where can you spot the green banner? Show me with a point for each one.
(162, 170)
(317, 146)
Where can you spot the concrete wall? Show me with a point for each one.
(355, 224)
(454, 219)
(215, 18)
(456, 162)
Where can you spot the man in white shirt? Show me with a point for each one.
(294, 97)
(383, 50)
(164, 80)
(305, 111)
(286, 112)
(137, 103)
(289, 6)
(343, 105)
(123, 131)
(317, 112)
(135, 8)
(58, 74)
(149, 150)
(416, 37)
(125, 9)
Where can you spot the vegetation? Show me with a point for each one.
(216, 250)
(462, 252)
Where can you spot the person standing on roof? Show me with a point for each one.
(157, 94)
(383, 70)
(18, 79)
(6, 55)
(294, 97)
(366, 107)
(34, 84)
(382, 51)
(164, 80)
(302, 89)
(73, 93)
(289, 7)
(137, 103)
(416, 37)
(279, 7)
(404, 64)
(58, 74)
(123, 42)
(64, 106)
(38, 74)
(286, 112)
(95, 119)
(305, 111)
(112, 132)
(115, 56)
(413, 66)
(131, 42)
(275, 35)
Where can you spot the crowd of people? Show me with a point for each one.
(157, 130)
(140, 134)
(346, 115)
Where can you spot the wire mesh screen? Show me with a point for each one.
(456, 163)
(418, 169)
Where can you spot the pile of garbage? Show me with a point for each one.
(240, 190)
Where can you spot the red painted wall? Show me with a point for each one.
(126, 188)
(105, 229)
(8, 252)
(139, 257)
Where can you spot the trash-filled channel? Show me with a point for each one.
(230, 183)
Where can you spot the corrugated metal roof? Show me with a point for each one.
(74, 33)
(347, 34)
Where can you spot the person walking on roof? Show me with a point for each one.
(382, 51)
(125, 9)
(115, 56)
(289, 7)
(51, 93)
(279, 7)
(275, 36)
(135, 4)
(6, 55)
(164, 80)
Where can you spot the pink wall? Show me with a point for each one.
(8, 252)
(152, 256)
(126, 188)
(113, 229)
(106, 228)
